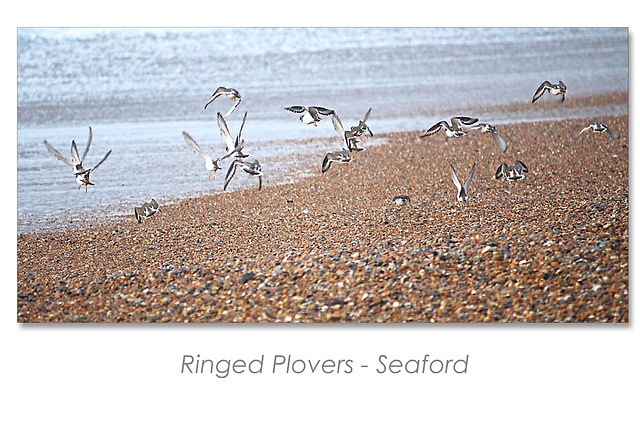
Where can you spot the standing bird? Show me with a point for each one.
(311, 115)
(146, 210)
(211, 165)
(453, 130)
(512, 173)
(462, 191)
(559, 89)
(598, 127)
(252, 168)
(230, 93)
(82, 175)
(486, 127)
(342, 156)
(401, 200)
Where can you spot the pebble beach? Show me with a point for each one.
(334, 247)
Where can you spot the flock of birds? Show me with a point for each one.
(458, 127)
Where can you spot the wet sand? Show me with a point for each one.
(335, 248)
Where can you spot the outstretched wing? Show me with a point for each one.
(100, 162)
(239, 137)
(154, 204)
(323, 111)
(326, 163)
(194, 146)
(461, 120)
(74, 153)
(502, 144)
(434, 129)
(215, 94)
(86, 150)
(612, 133)
(545, 85)
(454, 177)
(521, 166)
(230, 172)
(366, 116)
(579, 135)
(232, 109)
(502, 170)
(226, 135)
(473, 171)
(57, 154)
(296, 108)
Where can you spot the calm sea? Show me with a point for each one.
(140, 88)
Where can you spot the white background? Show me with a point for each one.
(88, 375)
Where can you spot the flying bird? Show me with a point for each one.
(252, 168)
(597, 127)
(462, 195)
(559, 89)
(486, 127)
(453, 130)
(349, 139)
(512, 173)
(210, 164)
(341, 156)
(233, 147)
(311, 115)
(230, 93)
(146, 210)
(81, 173)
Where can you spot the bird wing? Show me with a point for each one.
(74, 153)
(232, 109)
(230, 172)
(545, 85)
(86, 150)
(57, 154)
(239, 137)
(434, 129)
(366, 116)
(454, 177)
(501, 170)
(194, 146)
(100, 162)
(138, 211)
(226, 135)
(502, 144)
(154, 204)
(521, 166)
(337, 125)
(296, 108)
(326, 163)
(457, 122)
(216, 94)
(473, 170)
(323, 111)
(578, 137)
(612, 133)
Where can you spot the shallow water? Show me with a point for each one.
(139, 89)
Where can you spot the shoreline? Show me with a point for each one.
(611, 104)
(334, 248)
